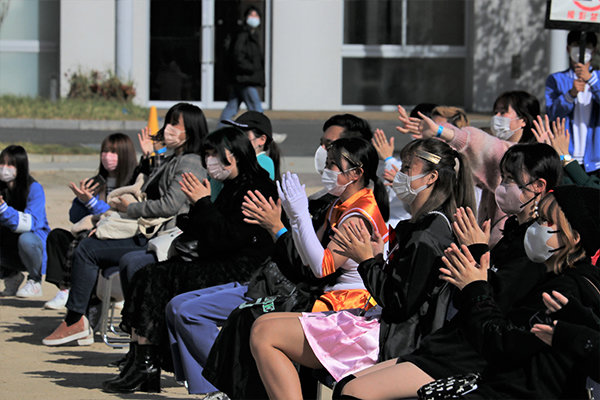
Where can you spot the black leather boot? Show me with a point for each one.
(125, 363)
(143, 375)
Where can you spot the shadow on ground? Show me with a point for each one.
(93, 381)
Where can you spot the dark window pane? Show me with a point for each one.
(372, 22)
(175, 49)
(440, 22)
(381, 81)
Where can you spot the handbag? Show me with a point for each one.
(160, 244)
(453, 387)
(185, 247)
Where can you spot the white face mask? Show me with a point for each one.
(320, 159)
(403, 189)
(536, 242)
(172, 137)
(253, 22)
(8, 173)
(330, 182)
(500, 127)
(216, 169)
(574, 53)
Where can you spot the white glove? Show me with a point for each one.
(293, 196)
(295, 203)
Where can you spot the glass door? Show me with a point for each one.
(189, 42)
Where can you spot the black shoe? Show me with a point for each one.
(124, 363)
(127, 359)
(143, 375)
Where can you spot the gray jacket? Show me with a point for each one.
(172, 201)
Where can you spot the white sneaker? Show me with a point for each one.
(12, 283)
(59, 301)
(30, 289)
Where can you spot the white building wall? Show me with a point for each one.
(502, 30)
(87, 37)
(307, 54)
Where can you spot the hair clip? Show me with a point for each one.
(347, 157)
(427, 156)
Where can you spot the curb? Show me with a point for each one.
(83, 124)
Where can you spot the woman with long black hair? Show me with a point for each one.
(216, 247)
(23, 225)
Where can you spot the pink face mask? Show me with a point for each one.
(109, 160)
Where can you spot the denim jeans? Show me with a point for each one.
(237, 95)
(89, 257)
(22, 251)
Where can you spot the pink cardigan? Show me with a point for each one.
(484, 153)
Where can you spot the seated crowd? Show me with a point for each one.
(461, 265)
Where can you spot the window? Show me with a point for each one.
(404, 52)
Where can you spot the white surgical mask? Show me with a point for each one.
(8, 173)
(536, 242)
(320, 159)
(329, 179)
(403, 189)
(508, 198)
(253, 22)
(500, 127)
(172, 140)
(574, 53)
(216, 169)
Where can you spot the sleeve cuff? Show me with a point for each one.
(568, 97)
(478, 249)
(593, 80)
(459, 141)
(3, 207)
(475, 292)
(91, 203)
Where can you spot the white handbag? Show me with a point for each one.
(160, 244)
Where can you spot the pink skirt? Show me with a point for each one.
(343, 342)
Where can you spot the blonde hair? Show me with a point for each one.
(572, 251)
(455, 115)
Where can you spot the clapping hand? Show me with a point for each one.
(467, 229)
(293, 195)
(553, 302)
(409, 125)
(193, 188)
(146, 141)
(260, 211)
(461, 269)
(384, 148)
(389, 175)
(355, 242)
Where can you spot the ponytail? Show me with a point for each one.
(381, 197)
(454, 185)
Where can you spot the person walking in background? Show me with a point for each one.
(246, 68)
(574, 94)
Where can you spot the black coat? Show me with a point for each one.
(246, 62)
(519, 364)
(405, 286)
(447, 351)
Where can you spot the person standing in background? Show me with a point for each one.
(574, 94)
(246, 67)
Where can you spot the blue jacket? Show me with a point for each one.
(559, 103)
(79, 210)
(32, 219)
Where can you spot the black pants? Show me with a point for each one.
(58, 270)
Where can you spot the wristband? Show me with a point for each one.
(439, 131)
(389, 158)
(280, 232)
(161, 150)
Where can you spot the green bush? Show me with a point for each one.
(99, 85)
